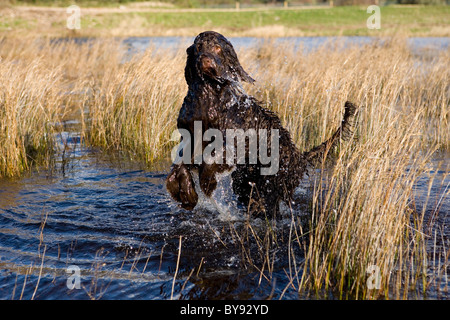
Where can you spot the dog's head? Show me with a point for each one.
(212, 58)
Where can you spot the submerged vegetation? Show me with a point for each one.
(362, 211)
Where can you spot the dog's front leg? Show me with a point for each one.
(181, 186)
(207, 177)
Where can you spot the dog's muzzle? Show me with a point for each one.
(209, 66)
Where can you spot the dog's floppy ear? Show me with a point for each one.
(244, 75)
(189, 70)
(233, 62)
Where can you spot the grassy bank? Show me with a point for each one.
(322, 21)
(362, 214)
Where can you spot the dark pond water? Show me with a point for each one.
(116, 222)
(105, 223)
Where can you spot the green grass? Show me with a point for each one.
(65, 3)
(315, 19)
(410, 21)
(321, 21)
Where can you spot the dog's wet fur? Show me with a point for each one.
(216, 98)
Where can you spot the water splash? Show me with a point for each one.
(222, 201)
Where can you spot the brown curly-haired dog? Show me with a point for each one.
(216, 98)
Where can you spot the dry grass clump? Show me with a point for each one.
(120, 105)
(308, 90)
(363, 217)
(29, 107)
(38, 79)
(362, 210)
(135, 106)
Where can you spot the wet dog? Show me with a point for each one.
(217, 101)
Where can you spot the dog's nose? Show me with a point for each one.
(207, 63)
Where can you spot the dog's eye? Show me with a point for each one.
(217, 49)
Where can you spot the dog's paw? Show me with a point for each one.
(181, 187)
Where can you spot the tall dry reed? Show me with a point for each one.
(134, 107)
(29, 107)
(362, 214)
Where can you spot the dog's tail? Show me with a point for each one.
(344, 132)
